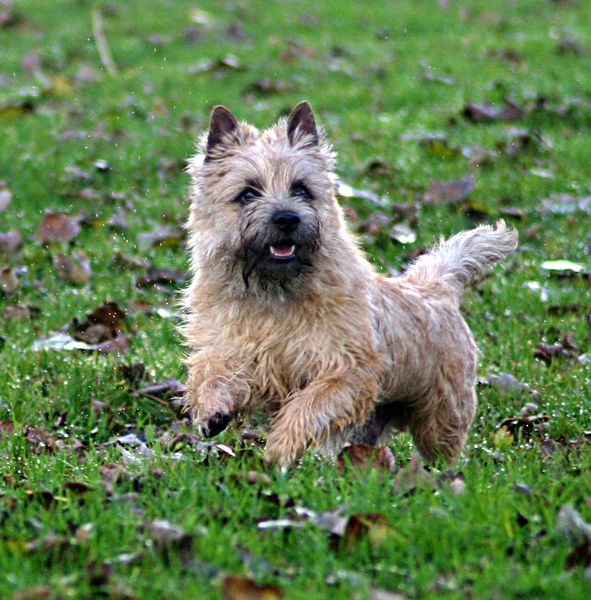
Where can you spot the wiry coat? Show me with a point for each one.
(333, 349)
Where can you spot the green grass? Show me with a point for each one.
(360, 66)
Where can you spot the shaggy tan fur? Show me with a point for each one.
(288, 314)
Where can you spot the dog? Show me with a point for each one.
(284, 312)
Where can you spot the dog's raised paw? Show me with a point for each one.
(216, 424)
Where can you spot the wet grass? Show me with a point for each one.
(362, 66)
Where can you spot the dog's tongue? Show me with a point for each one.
(282, 250)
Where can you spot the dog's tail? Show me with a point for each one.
(464, 258)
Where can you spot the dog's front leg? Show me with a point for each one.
(326, 405)
(216, 389)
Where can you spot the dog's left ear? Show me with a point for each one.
(301, 123)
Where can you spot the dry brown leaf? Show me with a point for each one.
(366, 456)
(268, 86)
(10, 242)
(165, 389)
(57, 227)
(565, 348)
(449, 192)
(40, 440)
(235, 587)
(524, 426)
(155, 275)
(39, 592)
(75, 268)
(9, 281)
(161, 235)
(487, 112)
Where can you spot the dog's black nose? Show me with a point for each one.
(286, 220)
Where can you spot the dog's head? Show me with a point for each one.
(263, 204)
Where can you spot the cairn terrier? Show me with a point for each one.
(284, 312)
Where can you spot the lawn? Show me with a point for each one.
(444, 115)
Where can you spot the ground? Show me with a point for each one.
(102, 492)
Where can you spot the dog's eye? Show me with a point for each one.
(299, 190)
(247, 195)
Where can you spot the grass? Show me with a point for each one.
(361, 66)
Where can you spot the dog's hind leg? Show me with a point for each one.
(440, 420)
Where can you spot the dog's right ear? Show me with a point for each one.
(224, 130)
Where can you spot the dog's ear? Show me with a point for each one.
(223, 129)
(301, 124)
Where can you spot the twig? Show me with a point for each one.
(167, 405)
(101, 42)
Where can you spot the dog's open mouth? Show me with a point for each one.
(283, 251)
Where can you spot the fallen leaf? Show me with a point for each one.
(256, 478)
(33, 593)
(8, 16)
(75, 268)
(372, 526)
(155, 275)
(509, 55)
(569, 522)
(44, 497)
(378, 166)
(412, 476)
(366, 456)
(449, 192)
(161, 235)
(40, 440)
(170, 540)
(568, 44)
(235, 587)
(379, 594)
(562, 267)
(111, 474)
(403, 234)
(84, 532)
(268, 86)
(437, 143)
(133, 373)
(514, 212)
(566, 204)
(479, 113)
(165, 389)
(565, 348)
(164, 531)
(109, 314)
(79, 487)
(520, 139)
(346, 191)
(51, 543)
(9, 281)
(507, 383)
(6, 429)
(10, 242)
(543, 173)
(430, 77)
(524, 426)
(217, 66)
(63, 341)
(5, 198)
(17, 108)
(57, 227)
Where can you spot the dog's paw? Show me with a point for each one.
(215, 424)
(280, 454)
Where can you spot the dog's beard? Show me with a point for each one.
(278, 261)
